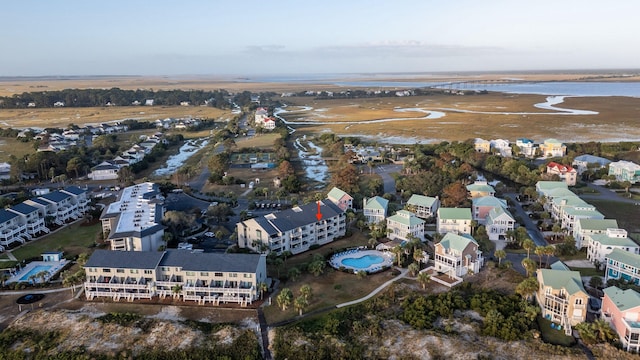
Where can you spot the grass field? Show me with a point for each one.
(73, 240)
(61, 117)
(626, 214)
(616, 118)
(9, 146)
(258, 141)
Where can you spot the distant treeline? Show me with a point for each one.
(116, 97)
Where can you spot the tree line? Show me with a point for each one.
(115, 96)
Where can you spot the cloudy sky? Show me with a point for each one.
(260, 37)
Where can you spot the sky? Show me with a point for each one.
(259, 37)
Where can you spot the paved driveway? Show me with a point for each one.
(388, 181)
(532, 228)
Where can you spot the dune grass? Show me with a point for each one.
(625, 213)
(10, 146)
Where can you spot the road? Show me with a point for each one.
(388, 181)
(532, 229)
(606, 194)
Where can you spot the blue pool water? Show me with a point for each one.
(34, 271)
(362, 262)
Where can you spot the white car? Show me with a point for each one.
(209, 234)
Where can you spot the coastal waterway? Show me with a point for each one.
(187, 150)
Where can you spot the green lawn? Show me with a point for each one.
(589, 271)
(73, 240)
(553, 336)
(625, 213)
(10, 146)
(258, 141)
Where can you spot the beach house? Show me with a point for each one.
(621, 309)
(455, 220)
(480, 189)
(343, 200)
(404, 225)
(583, 163)
(566, 173)
(458, 255)
(562, 297)
(584, 227)
(625, 171)
(423, 206)
(375, 209)
(622, 265)
(553, 148)
(601, 245)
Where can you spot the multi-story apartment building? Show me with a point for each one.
(562, 297)
(59, 206)
(423, 206)
(625, 171)
(553, 148)
(621, 309)
(405, 224)
(11, 229)
(134, 222)
(294, 230)
(343, 200)
(375, 209)
(601, 245)
(584, 227)
(455, 220)
(551, 189)
(458, 255)
(622, 265)
(201, 277)
(564, 172)
(31, 217)
(78, 197)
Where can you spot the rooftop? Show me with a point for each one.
(137, 211)
(562, 279)
(406, 218)
(421, 200)
(455, 213)
(337, 194)
(376, 202)
(457, 242)
(623, 299)
(598, 224)
(625, 257)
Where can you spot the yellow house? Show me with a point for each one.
(562, 297)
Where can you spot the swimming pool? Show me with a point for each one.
(362, 262)
(34, 271)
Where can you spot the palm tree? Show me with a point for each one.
(306, 291)
(82, 259)
(527, 287)
(528, 245)
(556, 229)
(414, 268)
(361, 274)
(424, 278)
(42, 275)
(539, 250)
(373, 242)
(293, 273)
(317, 267)
(4, 277)
(284, 298)
(549, 250)
(278, 263)
(529, 266)
(263, 287)
(509, 234)
(398, 251)
(300, 303)
(176, 290)
(286, 254)
(418, 255)
(500, 254)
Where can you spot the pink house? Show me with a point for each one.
(481, 206)
(343, 200)
(621, 309)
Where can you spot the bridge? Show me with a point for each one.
(475, 84)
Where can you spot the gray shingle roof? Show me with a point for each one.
(6, 215)
(124, 259)
(211, 261)
(23, 208)
(56, 196)
(74, 190)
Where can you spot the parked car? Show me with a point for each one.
(209, 234)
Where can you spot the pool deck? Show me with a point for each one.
(336, 259)
(55, 267)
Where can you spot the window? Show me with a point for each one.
(148, 272)
(106, 270)
(133, 271)
(120, 271)
(190, 273)
(578, 301)
(247, 275)
(233, 275)
(204, 274)
(218, 274)
(259, 234)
